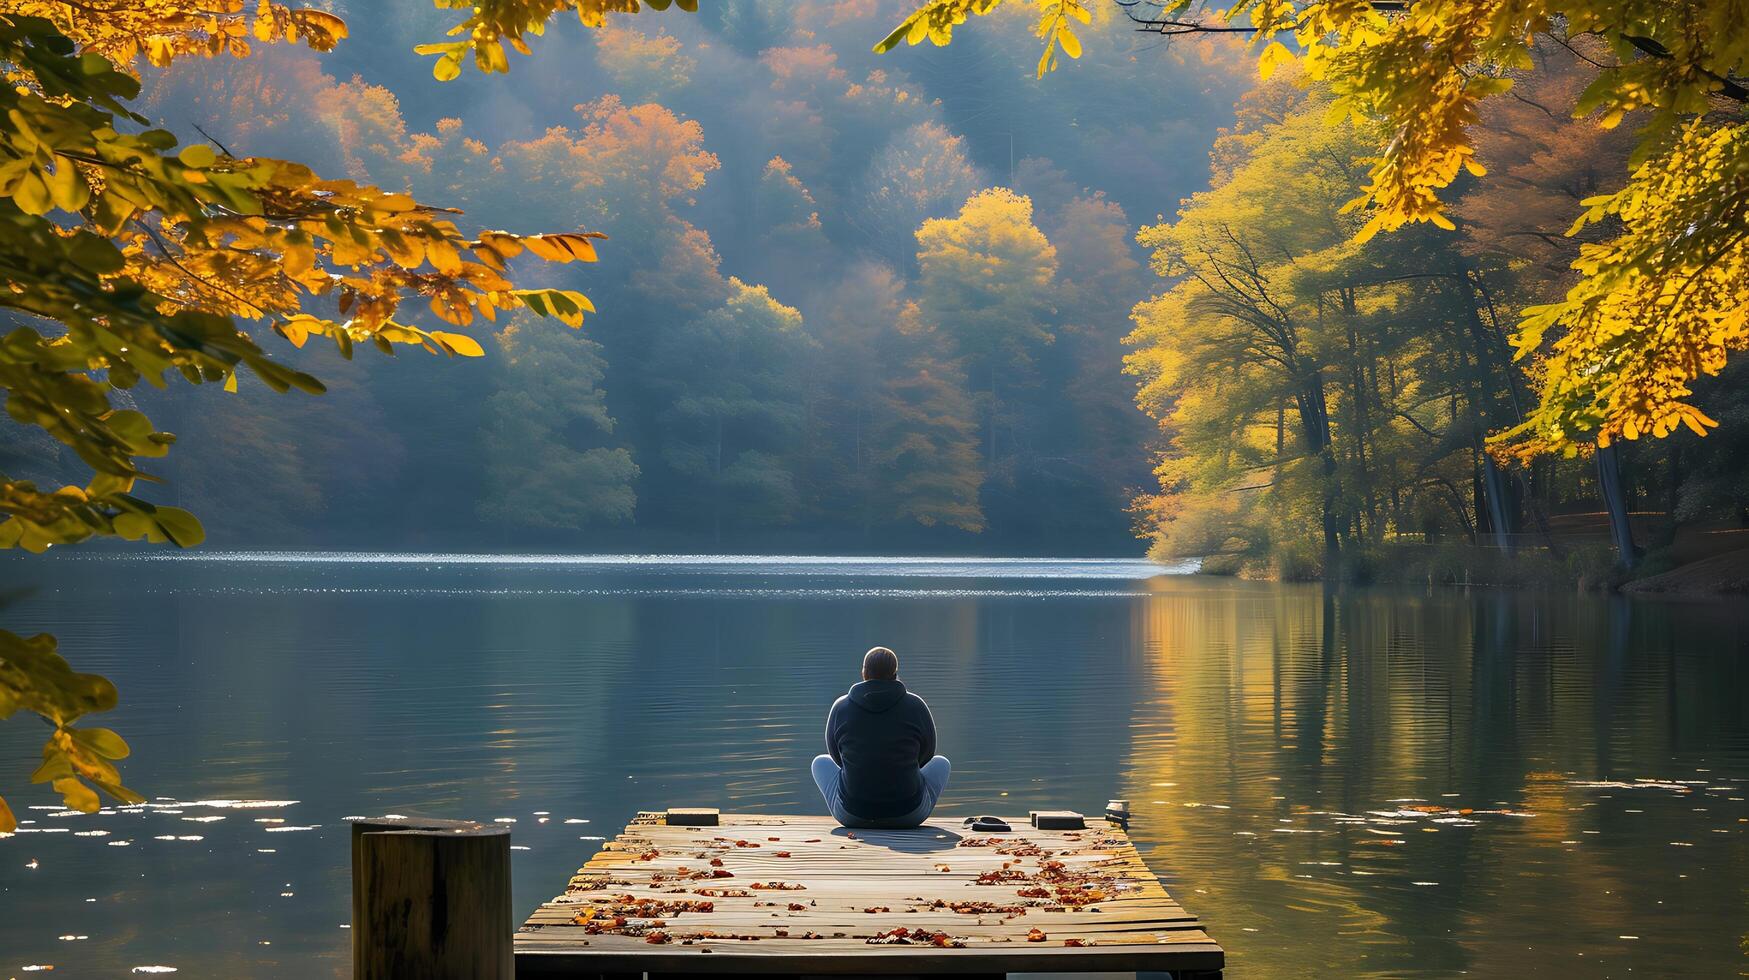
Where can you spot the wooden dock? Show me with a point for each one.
(799, 895)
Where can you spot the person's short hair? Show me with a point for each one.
(880, 664)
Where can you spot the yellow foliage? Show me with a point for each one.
(987, 275)
(1658, 306)
(164, 30)
(936, 21)
(130, 257)
(491, 24)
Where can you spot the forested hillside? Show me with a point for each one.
(1324, 392)
(844, 302)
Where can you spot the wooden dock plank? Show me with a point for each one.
(788, 894)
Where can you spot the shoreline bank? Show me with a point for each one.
(1664, 572)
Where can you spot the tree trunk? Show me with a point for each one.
(1315, 419)
(1493, 363)
(1615, 502)
(1479, 498)
(1362, 415)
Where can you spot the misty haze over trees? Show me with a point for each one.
(845, 302)
(931, 301)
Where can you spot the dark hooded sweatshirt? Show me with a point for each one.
(881, 734)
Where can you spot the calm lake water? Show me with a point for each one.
(1364, 783)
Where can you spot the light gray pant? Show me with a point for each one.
(830, 778)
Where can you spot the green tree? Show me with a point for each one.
(1239, 320)
(791, 244)
(733, 408)
(856, 332)
(1088, 456)
(545, 427)
(894, 435)
(1388, 362)
(986, 277)
(924, 446)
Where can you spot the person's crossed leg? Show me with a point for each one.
(829, 776)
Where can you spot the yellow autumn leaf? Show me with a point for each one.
(197, 155)
(1071, 44)
(1273, 57)
(459, 343)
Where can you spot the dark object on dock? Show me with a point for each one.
(1058, 820)
(431, 899)
(691, 816)
(799, 895)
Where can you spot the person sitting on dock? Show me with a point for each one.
(880, 769)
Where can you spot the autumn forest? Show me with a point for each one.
(1298, 411)
(914, 301)
(842, 301)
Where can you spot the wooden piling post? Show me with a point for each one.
(431, 900)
